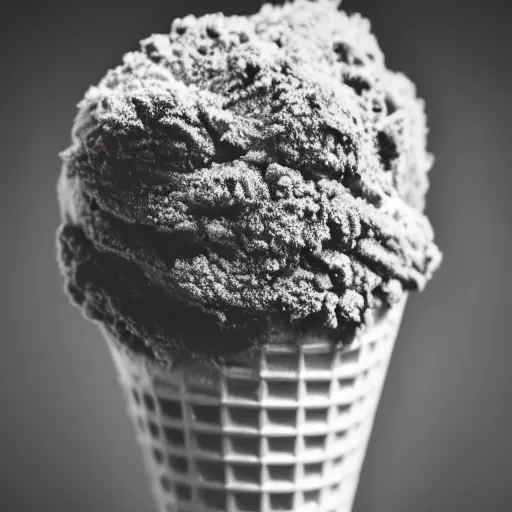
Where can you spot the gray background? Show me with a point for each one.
(442, 439)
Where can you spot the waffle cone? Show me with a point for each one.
(284, 428)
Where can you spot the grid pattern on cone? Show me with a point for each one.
(283, 429)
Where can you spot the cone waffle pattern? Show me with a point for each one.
(283, 429)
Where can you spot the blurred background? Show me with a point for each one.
(442, 438)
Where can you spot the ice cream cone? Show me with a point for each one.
(283, 428)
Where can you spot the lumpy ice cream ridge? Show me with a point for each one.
(247, 184)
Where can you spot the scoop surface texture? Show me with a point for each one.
(242, 180)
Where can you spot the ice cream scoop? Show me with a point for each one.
(246, 179)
